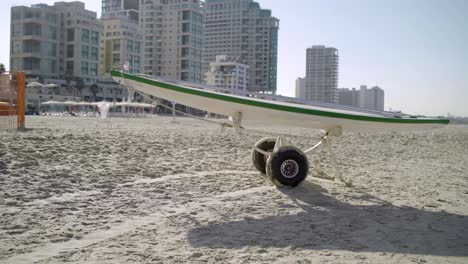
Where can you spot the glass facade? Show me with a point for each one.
(240, 28)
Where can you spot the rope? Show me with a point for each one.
(222, 124)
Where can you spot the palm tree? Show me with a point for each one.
(79, 85)
(56, 90)
(94, 89)
(68, 80)
(116, 89)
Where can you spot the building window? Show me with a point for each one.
(116, 45)
(185, 52)
(50, 49)
(137, 47)
(71, 34)
(15, 15)
(185, 27)
(116, 61)
(70, 51)
(51, 32)
(185, 39)
(94, 53)
(32, 29)
(93, 69)
(84, 52)
(94, 38)
(85, 35)
(51, 18)
(185, 15)
(129, 46)
(70, 68)
(84, 68)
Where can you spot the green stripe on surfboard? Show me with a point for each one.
(279, 107)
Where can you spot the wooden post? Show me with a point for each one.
(21, 98)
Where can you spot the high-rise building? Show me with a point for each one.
(322, 74)
(348, 97)
(172, 31)
(121, 45)
(228, 73)
(372, 99)
(300, 88)
(240, 28)
(128, 8)
(57, 42)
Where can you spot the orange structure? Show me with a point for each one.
(12, 100)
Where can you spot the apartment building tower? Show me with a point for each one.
(228, 73)
(321, 74)
(127, 8)
(240, 28)
(348, 97)
(372, 99)
(55, 42)
(121, 45)
(300, 88)
(172, 44)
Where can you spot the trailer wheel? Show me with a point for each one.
(258, 159)
(287, 166)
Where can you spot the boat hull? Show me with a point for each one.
(269, 111)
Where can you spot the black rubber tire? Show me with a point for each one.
(258, 159)
(291, 158)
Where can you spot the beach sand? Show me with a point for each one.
(150, 191)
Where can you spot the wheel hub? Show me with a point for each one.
(289, 168)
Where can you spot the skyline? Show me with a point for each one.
(414, 50)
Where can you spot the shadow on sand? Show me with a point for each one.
(327, 223)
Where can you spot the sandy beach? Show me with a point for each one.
(150, 191)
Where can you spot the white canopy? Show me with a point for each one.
(34, 84)
(111, 104)
(50, 85)
(70, 103)
(100, 103)
(135, 104)
(84, 103)
(53, 103)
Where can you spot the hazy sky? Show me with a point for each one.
(416, 50)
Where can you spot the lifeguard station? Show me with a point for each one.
(12, 100)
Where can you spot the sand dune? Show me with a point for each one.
(149, 191)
